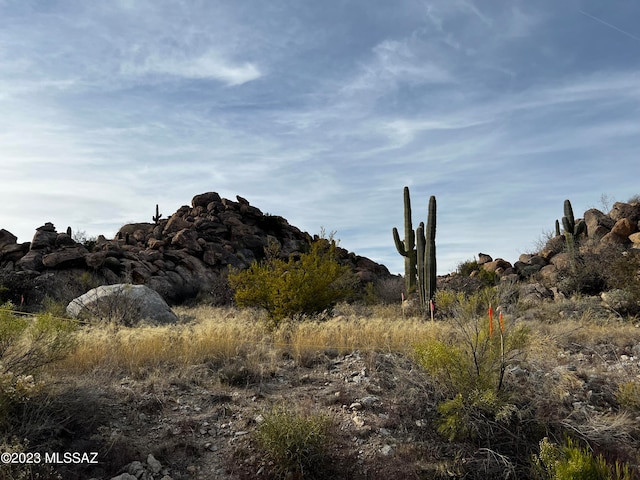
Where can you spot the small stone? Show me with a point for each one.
(358, 421)
(386, 450)
(369, 401)
(355, 406)
(125, 476)
(154, 465)
(136, 468)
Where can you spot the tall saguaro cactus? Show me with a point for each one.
(430, 252)
(426, 253)
(420, 257)
(407, 247)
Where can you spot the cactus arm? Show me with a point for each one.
(399, 244)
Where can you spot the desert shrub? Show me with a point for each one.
(484, 277)
(389, 290)
(628, 396)
(476, 416)
(570, 461)
(469, 368)
(285, 289)
(297, 443)
(26, 345)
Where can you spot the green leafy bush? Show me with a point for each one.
(308, 285)
(569, 462)
(296, 443)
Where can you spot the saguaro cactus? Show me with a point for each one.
(571, 230)
(426, 256)
(156, 218)
(407, 247)
(430, 252)
(569, 223)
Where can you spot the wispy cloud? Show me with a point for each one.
(207, 66)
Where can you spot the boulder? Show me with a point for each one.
(498, 263)
(598, 224)
(484, 258)
(613, 239)
(187, 239)
(66, 257)
(625, 210)
(532, 294)
(45, 237)
(204, 199)
(31, 261)
(624, 227)
(175, 224)
(122, 303)
(7, 238)
(635, 238)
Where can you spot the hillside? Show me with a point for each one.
(182, 256)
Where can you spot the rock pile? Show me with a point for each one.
(179, 257)
(620, 227)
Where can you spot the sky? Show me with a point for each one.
(321, 112)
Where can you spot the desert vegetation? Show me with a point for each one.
(308, 375)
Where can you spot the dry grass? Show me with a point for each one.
(220, 334)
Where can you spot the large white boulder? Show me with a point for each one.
(122, 303)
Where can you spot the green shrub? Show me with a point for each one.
(308, 285)
(26, 345)
(295, 442)
(469, 368)
(467, 267)
(628, 396)
(571, 462)
(475, 416)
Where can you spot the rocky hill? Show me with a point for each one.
(603, 238)
(181, 256)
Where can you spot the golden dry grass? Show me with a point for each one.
(219, 334)
(211, 334)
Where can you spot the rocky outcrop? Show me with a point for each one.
(181, 256)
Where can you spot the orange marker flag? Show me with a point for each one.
(490, 321)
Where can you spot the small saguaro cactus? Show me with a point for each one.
(557, 228)
(407, 248)
(569, 222)
(156, 218)
(69, 232)
(571, 230)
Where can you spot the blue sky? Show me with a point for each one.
(321, 112)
